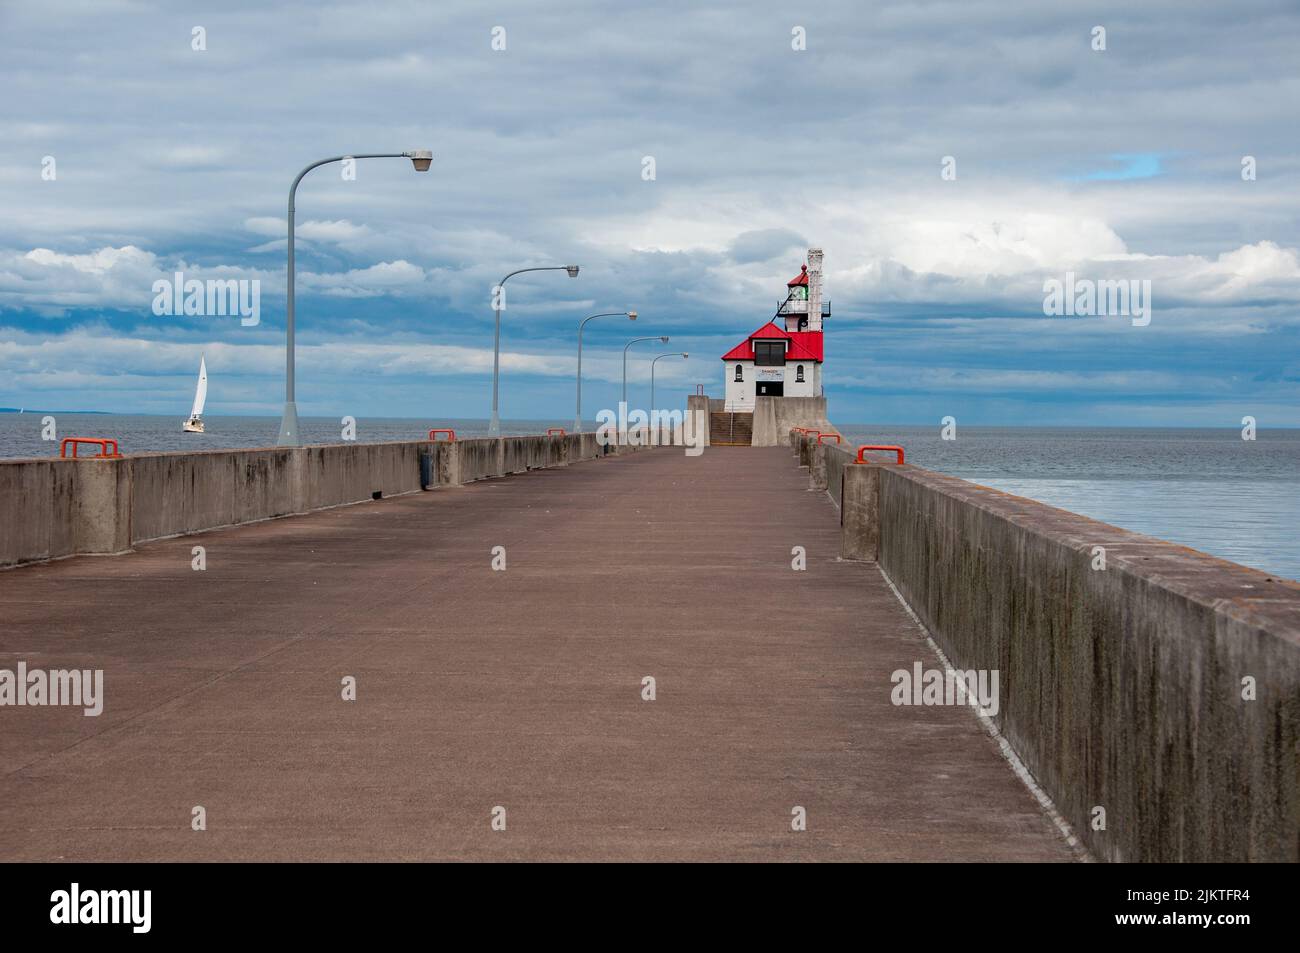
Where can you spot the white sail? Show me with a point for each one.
(201, 395)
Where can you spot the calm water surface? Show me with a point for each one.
(1207, 489)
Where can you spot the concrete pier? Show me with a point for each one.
(520, 689)
(501, 627)
(1152, 690)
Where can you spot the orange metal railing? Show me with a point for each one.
(555, 432)
(102, 443)
(822, 435)
(451, 434)
(862, 450)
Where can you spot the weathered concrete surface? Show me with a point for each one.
(54, 508)
(860, 512)
(775, 416)
(825, 461)
(519, 688)
(697, 417)
(1122, 687)
(835, 459)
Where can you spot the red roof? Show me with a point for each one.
(799, 279)
(804, 345)
(807, 345)
(769, 331)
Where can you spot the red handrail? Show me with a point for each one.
(102, 442)
(451, 434)
(878, 446)
(835, 435)
(552, 431)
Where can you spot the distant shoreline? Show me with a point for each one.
(35, 410)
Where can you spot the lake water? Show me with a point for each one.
(20, 434)
(1207, 489)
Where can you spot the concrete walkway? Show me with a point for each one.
(522, 688)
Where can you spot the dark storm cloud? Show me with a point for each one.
(169, 156)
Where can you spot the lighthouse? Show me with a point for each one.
(783, 358)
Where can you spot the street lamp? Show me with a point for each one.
(421, 159)
(577, 411)
(498, 296)
(652, 375)
(664, 339)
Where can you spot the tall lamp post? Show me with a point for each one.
(498, 299)
(664, 339)
(684, 355)
(421, 159)
(577, 410)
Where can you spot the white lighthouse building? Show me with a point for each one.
(783, 358)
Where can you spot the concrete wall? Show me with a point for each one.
(697, 415)
(475, 460)
(181, 492)
(53, 508)
(1121, 688)
(774, 416)
(825, 461)
(835, 459)
(62, 507)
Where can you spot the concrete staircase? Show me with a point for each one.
(731, 430)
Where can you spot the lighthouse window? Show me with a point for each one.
(798, 373)
(739, 374)
(769, 353)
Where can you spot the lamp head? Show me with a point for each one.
(631, 315)
(572, 270)
(421, 159)
(684, 354)
(664, 339)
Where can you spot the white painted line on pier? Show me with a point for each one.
(1008, 752)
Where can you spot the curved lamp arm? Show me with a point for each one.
(655, 361)
(494, 424)
(421, 159)
(577, 407)
(663, 338)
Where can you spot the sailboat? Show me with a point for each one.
(195, 423)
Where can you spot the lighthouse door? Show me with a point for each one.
(769, 388)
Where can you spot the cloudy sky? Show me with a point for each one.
(1122, 163)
